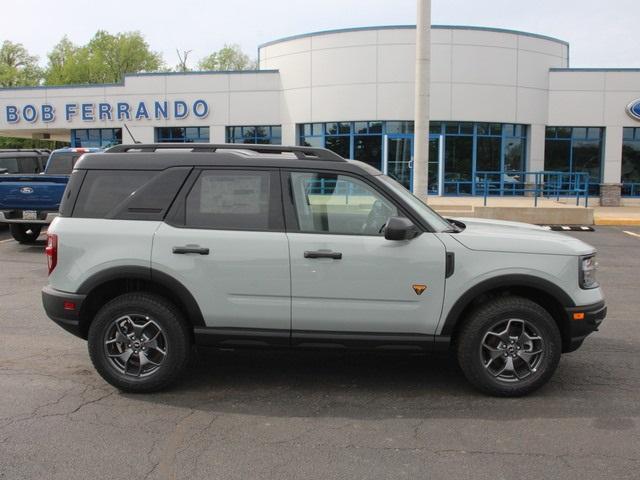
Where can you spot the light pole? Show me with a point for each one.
(421, 109)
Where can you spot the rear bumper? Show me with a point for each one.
(15, 216)
(57, 307)
(579, 328)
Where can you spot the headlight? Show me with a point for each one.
(588, 267)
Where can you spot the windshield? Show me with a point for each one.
(438, 223)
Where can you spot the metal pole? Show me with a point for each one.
(421, 110)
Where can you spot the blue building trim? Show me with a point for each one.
(615, 69)
(143, 74)
(412, 27)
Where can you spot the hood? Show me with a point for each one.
(516, 237)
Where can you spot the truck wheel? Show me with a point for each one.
(509, 347)
(139, 342)
(25, 233)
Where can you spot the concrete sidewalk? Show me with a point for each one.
(548, 211)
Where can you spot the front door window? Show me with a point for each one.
(338, 204)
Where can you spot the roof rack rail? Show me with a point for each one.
(302, 153)
(36, 150)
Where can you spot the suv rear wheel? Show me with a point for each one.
(139, 342)
(25, 233)
(509, 347)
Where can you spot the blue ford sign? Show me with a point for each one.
(633, 109)
(89, 112)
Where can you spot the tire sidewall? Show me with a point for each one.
(176, 336)
(483, 320)
(19, 232)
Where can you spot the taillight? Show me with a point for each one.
(51, 251)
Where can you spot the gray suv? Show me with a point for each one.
(162, 247)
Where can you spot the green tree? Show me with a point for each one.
(69, 63)
(122, 53)
(105, 59)
(13, 142)
(17, 67)
(229, 57)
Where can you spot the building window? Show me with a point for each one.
(182, 135)
(574, 150)
(96, 137)
(262, 134)
(358, 140)
(469, 149)
(631, 162)
(482, 155)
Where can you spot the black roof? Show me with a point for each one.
(166, 155)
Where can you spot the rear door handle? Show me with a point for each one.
(323, 254)
(191, 249)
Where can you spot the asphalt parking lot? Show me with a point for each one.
(242, 415)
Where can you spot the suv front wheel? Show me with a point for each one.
(139, 342)
(509, 346)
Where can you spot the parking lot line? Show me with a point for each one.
(6, 240)
(632, 233)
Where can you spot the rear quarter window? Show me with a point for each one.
(103, 190)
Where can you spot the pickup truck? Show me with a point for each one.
(29, 202)
(23, 160)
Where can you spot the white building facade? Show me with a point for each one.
(503, 103)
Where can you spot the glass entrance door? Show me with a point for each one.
(398, 161)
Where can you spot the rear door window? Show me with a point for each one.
(235, 200)
(103, 190)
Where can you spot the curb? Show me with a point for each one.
(617, 221)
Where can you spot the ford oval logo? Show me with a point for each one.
(26, 190)
(633, 109)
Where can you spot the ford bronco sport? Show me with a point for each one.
(162, 247)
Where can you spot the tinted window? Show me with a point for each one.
(21, 164)
(332, 203)
(102, 190)
(62, 163)
(234, 200)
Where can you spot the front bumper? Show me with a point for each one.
(58, 305)
(583, 321)
(15, 216)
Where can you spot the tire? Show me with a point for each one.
(498, 365)
(146, 368)
(25, 233)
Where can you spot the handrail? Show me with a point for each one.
(545, 184)
(633, 189)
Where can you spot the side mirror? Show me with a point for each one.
(4, 170)
(400, 228)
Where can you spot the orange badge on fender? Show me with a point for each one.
(418, 288)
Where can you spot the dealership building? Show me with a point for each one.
(500, 101)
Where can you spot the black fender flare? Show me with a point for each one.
(510, 280)
(149, 274)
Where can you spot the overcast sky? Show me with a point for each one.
(602, 33)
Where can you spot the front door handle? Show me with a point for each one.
(191, 249)
(323, 254)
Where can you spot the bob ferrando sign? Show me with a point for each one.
(107, 111)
